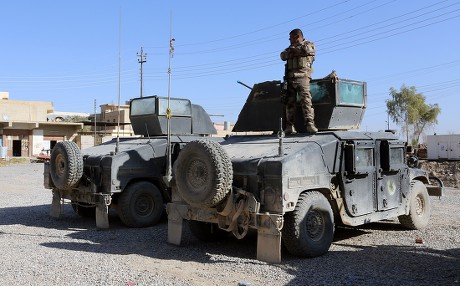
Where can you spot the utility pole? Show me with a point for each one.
(95, 125)
(142, 59)
(388, 122)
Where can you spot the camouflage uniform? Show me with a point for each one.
(298, 75)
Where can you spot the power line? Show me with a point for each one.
(366, 38)
(265, 59)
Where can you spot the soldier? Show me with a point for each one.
(299, 56)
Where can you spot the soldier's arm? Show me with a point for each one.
(284, 55)
(304, 50)
(308, 49)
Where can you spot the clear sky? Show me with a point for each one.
(67, 52)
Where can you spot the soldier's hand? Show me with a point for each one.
(294, 52)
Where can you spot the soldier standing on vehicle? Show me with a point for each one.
(299, 56)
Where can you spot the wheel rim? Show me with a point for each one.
(419, 205)
(61, 165)
(144, 205)
(315, 225)
(197, 174)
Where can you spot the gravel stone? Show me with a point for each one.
(39, 250)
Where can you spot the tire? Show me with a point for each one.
(84, 209)
(309, 230)
(140, 205)
(66, 165)
(206, 231)
(203, 173)
(419, 207)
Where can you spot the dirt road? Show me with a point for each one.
(38, 250)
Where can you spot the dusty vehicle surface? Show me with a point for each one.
(127, 174)
(296, 189)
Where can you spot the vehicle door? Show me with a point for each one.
(359, 177)
(393, 174)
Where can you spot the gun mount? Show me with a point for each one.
(339, 105)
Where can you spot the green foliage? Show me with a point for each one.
(408, 109)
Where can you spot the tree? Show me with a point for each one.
(408, 109)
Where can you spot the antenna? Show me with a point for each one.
(95, 125)
(147, 130)
(119, 87)
(168, 175)
(142, 59)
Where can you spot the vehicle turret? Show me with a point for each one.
(339, 105)
(148, 117)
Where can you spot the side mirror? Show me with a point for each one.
(350, 166)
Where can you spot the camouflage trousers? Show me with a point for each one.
(300, 87)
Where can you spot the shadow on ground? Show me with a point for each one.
(387, 264)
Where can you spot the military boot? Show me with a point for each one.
(311, 128)
(290, 130)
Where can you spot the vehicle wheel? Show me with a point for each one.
(309, 229)
(66, 165)
(203, 173)
(206, 231)
(84, 209)
(419, 207)
(140, 204)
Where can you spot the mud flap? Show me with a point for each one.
(102, 216)
(175, 224)
(56, 205)
(269, 238)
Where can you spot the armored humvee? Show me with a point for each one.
(127, 173)
(296, 189)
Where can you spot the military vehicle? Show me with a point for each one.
(127, 173)
(296, 189)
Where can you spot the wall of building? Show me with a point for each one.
(4, 95)
(38, 142)
(443, 147)
(17, 142)
(27, 111)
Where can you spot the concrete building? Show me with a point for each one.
(24, 129)
(109, 120)
(443, 147)
(28, 127)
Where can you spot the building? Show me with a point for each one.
(109, 120)
(25, 130)
(29, 127)
(443, 147)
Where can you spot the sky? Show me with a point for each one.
(74, 53)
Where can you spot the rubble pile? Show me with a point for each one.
(447, 171)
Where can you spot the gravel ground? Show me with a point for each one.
(37, 250)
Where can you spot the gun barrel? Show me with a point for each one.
(243, 84)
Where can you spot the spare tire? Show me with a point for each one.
(203, 173)
(66, 165)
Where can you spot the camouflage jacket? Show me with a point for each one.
(299, 59)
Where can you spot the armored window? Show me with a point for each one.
(351, 93)
(392, 155)
(179, 107)
(364, 157)
(143, 106)
(321, 92)
(396, 156)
